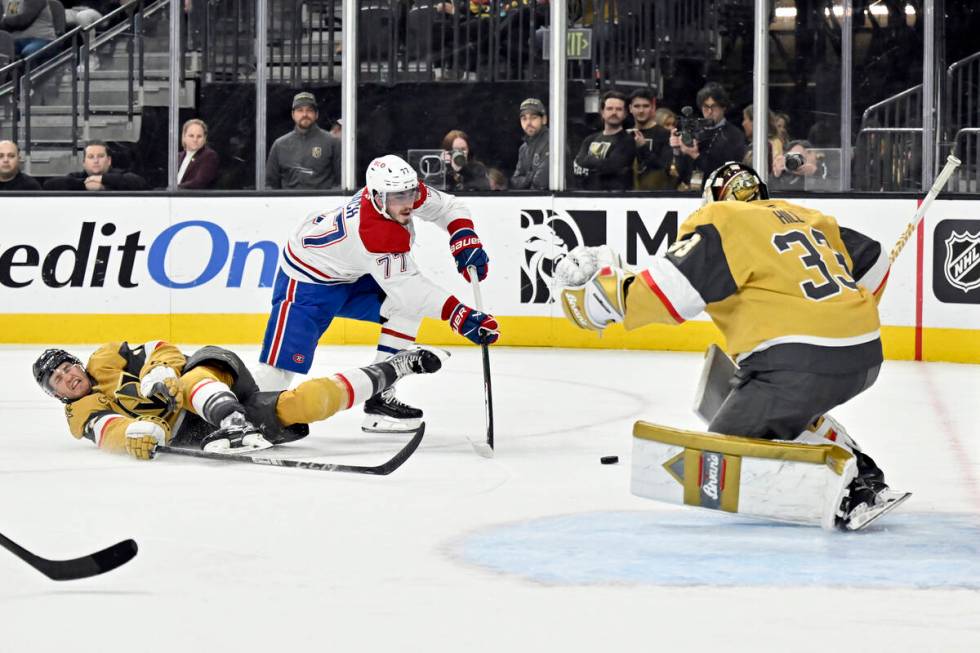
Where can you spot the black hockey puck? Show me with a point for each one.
(609, 460)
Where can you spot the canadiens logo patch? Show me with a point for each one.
(299, 358)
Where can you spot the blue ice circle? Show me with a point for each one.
(695, 547)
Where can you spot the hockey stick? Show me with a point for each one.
(485, 449)
(383, 469)
(90, 565)
(951, 164)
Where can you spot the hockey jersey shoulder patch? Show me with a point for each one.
(381, 235)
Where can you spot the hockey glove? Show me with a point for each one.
(466, 248)
(161, 383)
(143, 436)
(470, 323)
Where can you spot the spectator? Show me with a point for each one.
(307, 157)
(713, 145)
(96, 173)
(532, 157)
(665, 118)
(605, 160)
(775, 147)
(782, 127)
(29, 22)
(497, 178)
(197, 165)
(653, 153)
(81, 13)
(11, 178)
(790, 170)
(463, 170)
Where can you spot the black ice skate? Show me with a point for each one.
(385, 413)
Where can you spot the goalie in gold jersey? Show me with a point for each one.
(132, 398)
(794, 294)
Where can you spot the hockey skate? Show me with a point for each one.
(384, 412)
(864, 505)
(236, 435)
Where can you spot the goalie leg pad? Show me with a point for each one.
(782, 481)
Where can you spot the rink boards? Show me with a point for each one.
(200, 269)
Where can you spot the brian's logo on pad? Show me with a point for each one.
(956, 262)
(712, 479)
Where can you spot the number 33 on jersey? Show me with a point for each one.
(788, 273)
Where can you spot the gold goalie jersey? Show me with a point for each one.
(115, 401)
(768, 272)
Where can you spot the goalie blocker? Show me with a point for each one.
(778, 480)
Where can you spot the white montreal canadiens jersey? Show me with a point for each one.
(344, 244)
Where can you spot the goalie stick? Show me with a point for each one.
(383, 469)
(485, 449)
(91, 565)
(951, 164)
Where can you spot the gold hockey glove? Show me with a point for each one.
(143, 436)
(161, 383)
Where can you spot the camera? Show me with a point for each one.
(458, 157)
(690, 126)
(795, 160)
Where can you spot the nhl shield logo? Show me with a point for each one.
(962, 264)
(317, 152)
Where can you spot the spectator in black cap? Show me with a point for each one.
(307, 157)
(532, 158)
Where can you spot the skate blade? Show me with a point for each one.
(379, 424)
(876, 514)
(222, 446)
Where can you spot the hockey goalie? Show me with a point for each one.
(795, 296)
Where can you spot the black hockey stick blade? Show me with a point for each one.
(488, 393)
(91, 565)
(383, 469)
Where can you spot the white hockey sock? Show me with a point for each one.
(365, 382)
(213, 400)
(397, 334)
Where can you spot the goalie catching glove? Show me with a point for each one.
(143, 436)
(470, 323)
(161, 383)
(593, 286)
(466, 248)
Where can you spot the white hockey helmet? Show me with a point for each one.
(389, 174)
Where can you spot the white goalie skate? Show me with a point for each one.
(864, 513)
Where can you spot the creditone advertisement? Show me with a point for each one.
(201, 269)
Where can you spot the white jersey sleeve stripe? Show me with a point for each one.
(675, 289)
(877, 273)
(812, 340)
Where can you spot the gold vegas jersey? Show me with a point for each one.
(115, 401)
(768, 272)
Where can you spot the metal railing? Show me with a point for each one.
(73, 48)
(888, 151)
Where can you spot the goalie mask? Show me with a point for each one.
(390, 175)
(47, 363)
(736, 182)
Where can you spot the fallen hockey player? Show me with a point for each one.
(134, 398)
(796, 298)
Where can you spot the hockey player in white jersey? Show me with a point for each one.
(355, 261)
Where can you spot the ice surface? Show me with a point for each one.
(539, 549)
